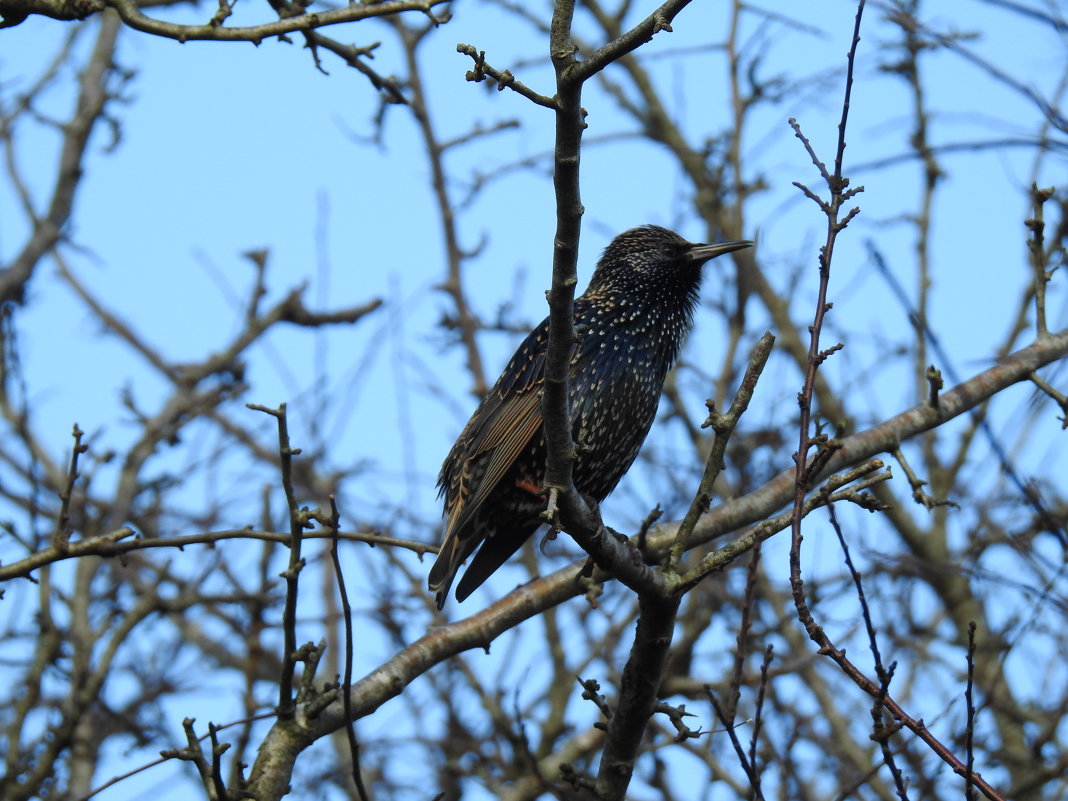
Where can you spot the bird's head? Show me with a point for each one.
(652, 259)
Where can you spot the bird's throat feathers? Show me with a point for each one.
(654, 318)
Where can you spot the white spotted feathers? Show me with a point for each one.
(632, 320)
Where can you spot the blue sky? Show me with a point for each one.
(230, 147)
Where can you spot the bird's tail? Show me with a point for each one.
(444, 569)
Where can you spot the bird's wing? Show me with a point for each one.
(502, 426)
(508, 434)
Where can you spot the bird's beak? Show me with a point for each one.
(699, 254)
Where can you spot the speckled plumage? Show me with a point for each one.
(631, 320)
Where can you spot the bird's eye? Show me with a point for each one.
(669, 251)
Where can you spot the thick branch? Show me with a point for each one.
(638, 693)
(284, 742)
(569, 126)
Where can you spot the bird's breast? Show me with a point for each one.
(615, 394)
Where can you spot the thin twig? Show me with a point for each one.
(723, 425)
(298, 521)
(743, 760)
(836, 185)
(969, 726)
(735, 692)
(61, 534)
(882, 733)
(505, 79)
(758, 720)
(1036, 224)
(349, 12)
(346, 686)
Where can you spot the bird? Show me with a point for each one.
(630, 322)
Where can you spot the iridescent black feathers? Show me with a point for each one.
(632, 320)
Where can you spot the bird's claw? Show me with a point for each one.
(550, 536)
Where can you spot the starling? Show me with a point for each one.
(631, 322)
